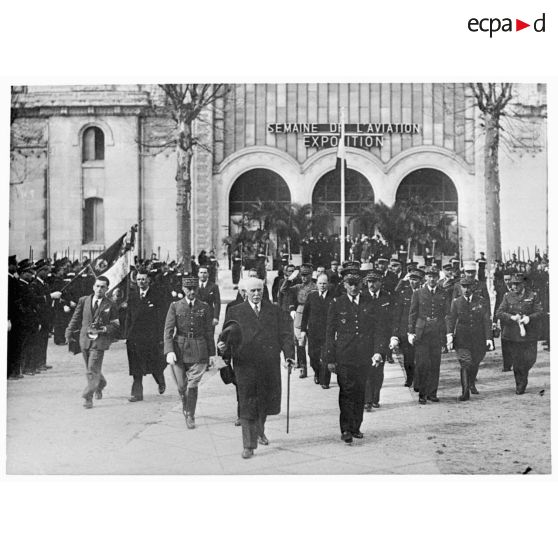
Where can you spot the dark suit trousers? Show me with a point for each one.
(428, 355)
(374, 384)
(524, 355)
(95, 380)
(316, 352)
(352, 385)
(251, 429)
(470, 360)
(408, 351)
(506, 354)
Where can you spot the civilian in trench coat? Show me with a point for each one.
(265, 332)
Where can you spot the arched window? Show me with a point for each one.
(253, 186)
(327, 197)
(437, 190)
(93, 144)
(93, 221)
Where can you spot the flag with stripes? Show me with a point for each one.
(114, 263)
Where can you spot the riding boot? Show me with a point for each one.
(191, 400)
(465, 395)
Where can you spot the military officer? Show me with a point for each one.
(298, 293)
(426, 331)
(351, 352)
(188, 345)
(520, 314)
(402, 305)
(381, 311)
(469, 331)
(209, 293)
(470, 271)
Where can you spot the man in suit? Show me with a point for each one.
(312, 326)
(209, 293)
(96, 317)
(144, 322)
(334, 278)
(520, 313)
(265, 332)
(426, 331)
(469, 331)
(189, 345)
(350, 352)
(381, 311)
(402, 305)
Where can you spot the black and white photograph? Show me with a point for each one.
(279, 278)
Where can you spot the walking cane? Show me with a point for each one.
(289, 370)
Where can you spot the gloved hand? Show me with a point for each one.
(66, 309)
(171, 358)
(516, 318)
(72, 304)
(411, 338)
(331, 367)
(293, 275)
(525, 320)
(449, 341)
(377, 359)
(393, 343)
(490, 344)
(55, 295)
(293, 314)
(290, 361)
(211, 362)
(221, 346)
(215, 321)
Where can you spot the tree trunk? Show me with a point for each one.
(492, 187)
(183, 197)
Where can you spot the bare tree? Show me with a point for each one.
(492, 100)
(184, 104)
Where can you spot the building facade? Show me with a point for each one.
(84, 166)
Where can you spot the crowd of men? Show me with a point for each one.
(345, 320)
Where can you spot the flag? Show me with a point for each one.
(114, 263)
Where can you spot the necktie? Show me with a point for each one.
(96, 306)
(354, 301)
(191, 305)
(257, 310)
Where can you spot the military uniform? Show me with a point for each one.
(427, 321)
(188, 333)
(468, 322)
(350, 345)
(523, 348)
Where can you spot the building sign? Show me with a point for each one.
(356, 135)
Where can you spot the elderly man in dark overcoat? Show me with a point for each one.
(520, 313)
(265, 332)
(469, 331)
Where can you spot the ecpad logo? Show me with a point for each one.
(492, 25)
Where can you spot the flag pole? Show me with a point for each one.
(341, 153)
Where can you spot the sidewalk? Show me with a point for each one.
(313, 445)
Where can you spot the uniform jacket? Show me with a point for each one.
(350, 333)
(381, 310)
(470, 323)
(526, 304)
(145, 318)
(314, 315)
(256, 361)
(82, 317)
(428, 312)
(189, 332)
(480, 288)
(299, 293)
(210, 295)
(42, 302)
(401, 307)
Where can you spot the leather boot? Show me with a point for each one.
(191, 400)
(465, 395)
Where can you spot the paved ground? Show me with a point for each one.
(497, 432)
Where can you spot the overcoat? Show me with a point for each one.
(256, 361)
(526, 304)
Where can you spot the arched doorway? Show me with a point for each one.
(326, 201)
(256, 196)
(435, 192)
